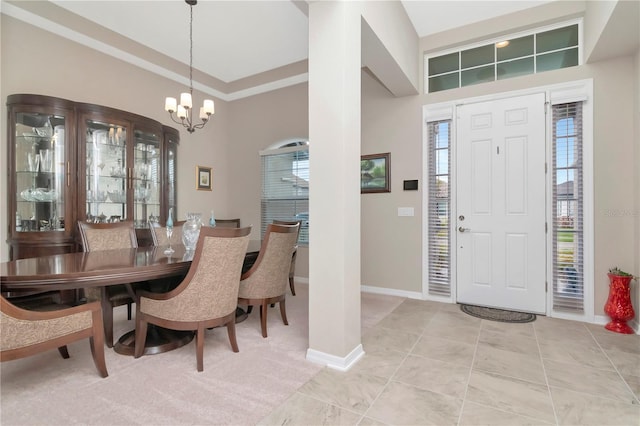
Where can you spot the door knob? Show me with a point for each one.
(462, 229)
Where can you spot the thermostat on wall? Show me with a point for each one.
(410, 185)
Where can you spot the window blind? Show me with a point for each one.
(285, 188)
(439, 207)
(568, 234)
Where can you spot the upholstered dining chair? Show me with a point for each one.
(208, 295)
(228, 223)
(266, 282)
(25, 333)
(292, 269)
(105, 236)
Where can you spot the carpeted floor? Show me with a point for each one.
(165, 389)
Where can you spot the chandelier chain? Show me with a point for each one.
(191, 50)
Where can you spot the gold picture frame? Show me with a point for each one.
(203, 178)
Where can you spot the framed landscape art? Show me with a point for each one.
(375, 173)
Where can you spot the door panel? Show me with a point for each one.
(501, 204)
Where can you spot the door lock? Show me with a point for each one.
(462, 229)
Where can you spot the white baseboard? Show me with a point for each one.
(336, 362)
(392, 292)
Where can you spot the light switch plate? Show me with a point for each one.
(405, 211)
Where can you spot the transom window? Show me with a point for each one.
(508, 57)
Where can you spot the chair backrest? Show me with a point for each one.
(210, 288)
(268, 277)
(106, 236)
(289, 222)
(159, 234)
(228, 223)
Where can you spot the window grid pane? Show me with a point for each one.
(285, 189)
(439, 208)
(533, 53)
(568, 236)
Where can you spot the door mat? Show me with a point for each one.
(494, 314)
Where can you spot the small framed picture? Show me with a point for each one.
(203, 178)
(375, 173)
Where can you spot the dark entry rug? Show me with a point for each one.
(494, 314)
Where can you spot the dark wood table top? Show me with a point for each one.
(94, 269)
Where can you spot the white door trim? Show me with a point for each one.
(563, 92)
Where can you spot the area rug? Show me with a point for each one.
(494, 314)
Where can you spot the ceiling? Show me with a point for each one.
(233, 40)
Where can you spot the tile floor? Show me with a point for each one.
(428, 363)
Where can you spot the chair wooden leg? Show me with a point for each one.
(97, 352)
(129, 311)
(293, 289)
(283, 312)
(263, 318)
(107, 319)
(141, 337)
(231, 331)
(200, 347)
(249, 309)
(63, 351)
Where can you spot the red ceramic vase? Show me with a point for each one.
(618, 305)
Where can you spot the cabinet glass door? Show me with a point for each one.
(146, 178)
(170, 174)
(106, 172)
(40, 172)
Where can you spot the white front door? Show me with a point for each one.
(500, 231)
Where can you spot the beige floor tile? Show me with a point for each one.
(379, 338)
(445, 350)
(575, 408)
(402, 404)
(510, 329)
(352, 391)
(621, 342)
(461, 332)
(569, 351)
(634, 384)
(456, 317)
(301, 410)
(411, 322)
(512, 343)
(511, 395)
(480, 415)
(368, 421)
(433, 375)
(625, 362)
(554, 329)
(603, 383)
(381, 363)
(507, 363)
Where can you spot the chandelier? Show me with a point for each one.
(184, 111)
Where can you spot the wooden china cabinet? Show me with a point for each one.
(71, 161)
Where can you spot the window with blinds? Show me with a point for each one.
(439, 207)
(568, 235)
(285, 187)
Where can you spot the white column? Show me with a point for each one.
(334, 197)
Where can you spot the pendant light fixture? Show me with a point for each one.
(184, 111)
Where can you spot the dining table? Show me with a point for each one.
(73, 271)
